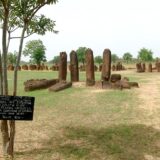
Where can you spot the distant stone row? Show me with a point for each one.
(142, 67)
(55, 67)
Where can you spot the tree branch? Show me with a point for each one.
(20, 37)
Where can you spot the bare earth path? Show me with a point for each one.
(149, 96)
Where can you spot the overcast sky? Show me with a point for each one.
(120, 25)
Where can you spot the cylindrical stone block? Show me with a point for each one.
(90, 78)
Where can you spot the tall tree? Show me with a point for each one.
(114, 58)
(36, 50)
(11, 58)
(81, 54)
(4, 16)
(17, 14)
(145, 55)
(55, 59)
(98, 59)
(127, 57)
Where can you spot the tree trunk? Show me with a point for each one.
(4, 123)
(4, 55)
(18, 61)
(11, 138)
(1, 76)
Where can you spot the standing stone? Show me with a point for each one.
(156, 64)
(158, 67)
(143, 67)
(90, 78)
(150, 67)
(74, 67)
(106, 66)
(63, 66)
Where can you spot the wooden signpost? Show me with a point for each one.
(16, 108)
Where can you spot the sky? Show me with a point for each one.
(120, 25)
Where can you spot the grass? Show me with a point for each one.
(88, 124)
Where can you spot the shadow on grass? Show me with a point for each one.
(121, 142)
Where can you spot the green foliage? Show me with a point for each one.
(36, 50)
(11, 57)
(55, 59)
(145, 55)
(127, 57)
(98, 59)
(23, 15)
(114, 58)
(81, 54)
(40, 25)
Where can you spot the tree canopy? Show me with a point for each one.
(81, 54)
(36, 50)
(11, 58)
(55, 59)
(114, 58)
(145, 55)
(127, 57)
(98, 59)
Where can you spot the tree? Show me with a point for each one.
(36, 50)
(81, 54)
(127, 57)
(145, 55)
(98, 59)
(11, 58)
(114, 58)
(16, 14)
(56, 59)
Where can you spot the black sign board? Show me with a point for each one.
(16, 108)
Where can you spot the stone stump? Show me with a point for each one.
(24, 67)
(100, 67)
(115, 77)
(90, 78)
(10, 67)
(74, 71)
(63, 66)
(106, 66)
(113, 67)
(32, 67)
(139, 67)
(150, 67)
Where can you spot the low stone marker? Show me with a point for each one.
(35, 84)
(60, 86)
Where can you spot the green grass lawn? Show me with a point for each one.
(82, 123)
